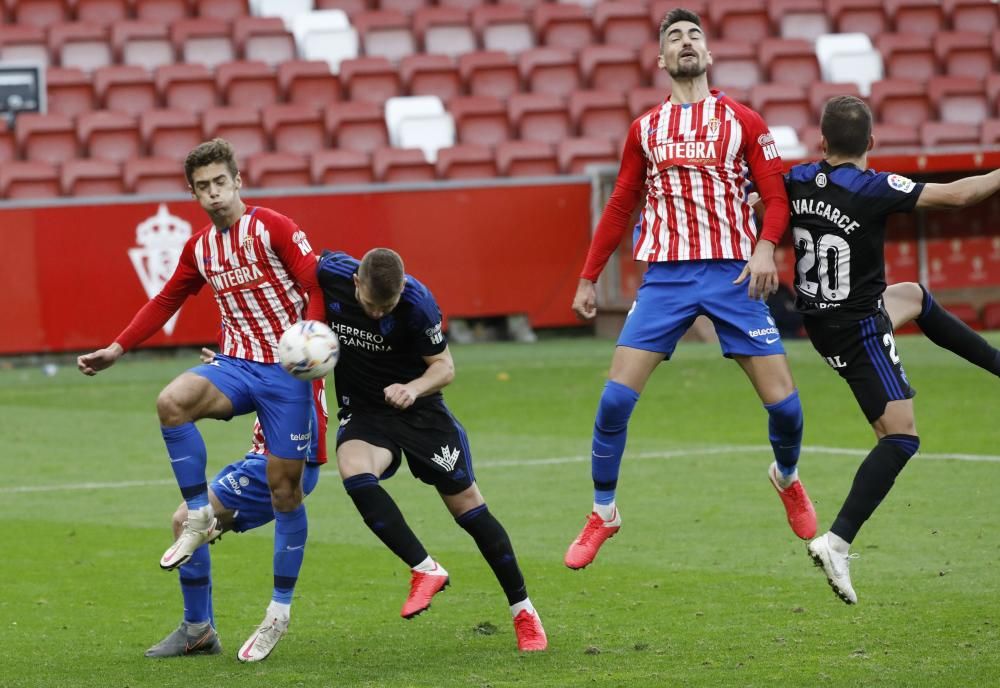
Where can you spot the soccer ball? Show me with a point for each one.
(308, 350)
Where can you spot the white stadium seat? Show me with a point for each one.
(325, 35)
(419, 122)
(788, 143)
(287, 10)
(849, 58)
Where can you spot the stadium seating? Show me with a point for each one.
(240, 126)
(264, 39)
(326, 35)
(945, 134)
(92, 177)
(308, 83)
(294, 128)
(202, 41)
(444, 30)
(504, 26)
(24, 43)
(40, 13)
(600, 114)
(790, 61)
(890, 138)
(539, 117)
(356, 126)
(965, 53)
(47, 138)
(576, 154)
(739, 20)
(283, 10)
(919, 17)
(143, 43)
(8, 148)
(734, 63)
(226, 10)
(489, 73)
(84, 46)
(624, 23)
(186, 87)
(331, 167)
(245, 83)
(973, 15)
(280, 170)
(552, 71)
(642, 99)
(526, 159)
(991, 316)
(102, 12)
(22, 180)
(480, 120)
(385, 33)
(896, 101)
(821, 91)
(849, 57)
(70, 91)
(433, 75)
(125, 88)
(959, 100)
(466, 162)
(370, 79)
(401, 165)
(610, 67)
(989, 134)
(565, 26)
(864, 16)
(799, 19)
(170, 134)
(163, 11)
(782, 104)
(907, 56)
(109, 135)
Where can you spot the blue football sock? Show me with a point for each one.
(610, 430)
(290, 531)
(196, 586)
(784, 427)
(188, 458)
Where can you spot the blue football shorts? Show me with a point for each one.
(284, 405)
(673, 294)
(242, 488)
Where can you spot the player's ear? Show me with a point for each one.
(238, 181)
(708, 58)
(659, 61)
(871, 142)
(193, 194)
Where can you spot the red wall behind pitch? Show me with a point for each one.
(68, 282)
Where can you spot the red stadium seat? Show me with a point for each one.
(102, 12)
(563, 26)
(92, 178)
(466, 162)
(385, 33)
(658, 10)
(920, 17)
(143, 43)
(810, 137)
(803, 19)
(552, 71)
(265, 39)
(990, 133)
(401, 165)
(896, 101)
(8, 147)
(642, 100)
(164, 11)
(332, 167)
(186, 87)
(858, 16)
(444, 30)
(991, 315)
(356, 126)
(407, 7)
(69, 91)
(308, 82)
(84, 46)
(945, 134)
(29, 180)
(526, 159)
(126, 89)
(791, 61)
(154, 176)
(959, 100)
(278, 170)
(480, 120)
(24, 43)
(40, 13)
(907, 56)
(504, 27)
(610, 67)
(46, 138)
(973, 15)
(371, 79)
(539, 117)
(294, 128)
(822, 91)
(993, 92)
(431, 75)
(624, 22)
(461, 4)
(965, 53)
(734, 63)
(240, 126)
(109, 135)
(600, 114)
(576, 154)
(649, 55)
(351, 7)
(782, 104)
(170, 134)
(891, 138)
(204, 40)
(489, 73)
(740, 20)
(246, 84)
(224, 10)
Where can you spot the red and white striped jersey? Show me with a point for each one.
(694, 162)
(262, 272)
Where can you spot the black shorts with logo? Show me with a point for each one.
(863, 351)
(435, 444)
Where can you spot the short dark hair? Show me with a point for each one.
(382, 272)
(675, 15)
(846, 125)
(209, 152)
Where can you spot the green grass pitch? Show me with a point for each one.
(704, 586)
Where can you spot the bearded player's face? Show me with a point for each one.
(684, 53)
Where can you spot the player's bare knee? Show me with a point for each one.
(286, 497)
(171, 408)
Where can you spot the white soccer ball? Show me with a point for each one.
(308, 350)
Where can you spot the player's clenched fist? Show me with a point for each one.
(400, 396)
(93, 363)
(585, 301)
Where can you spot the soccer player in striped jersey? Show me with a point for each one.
(263, 273)
(839, 208)
(692, 159)
(241, 501)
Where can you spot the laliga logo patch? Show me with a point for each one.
(900, 183)
(161, 240)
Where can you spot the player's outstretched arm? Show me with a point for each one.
(96, 361)
(585, 301)
(439, 374)
(960, 193)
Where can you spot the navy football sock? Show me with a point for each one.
(872, 482)
(949, 332)
(784, 426)
(495, 546)
(196, 586)
(188, 458)
(291, 528)
(384, 519)
(610, 430)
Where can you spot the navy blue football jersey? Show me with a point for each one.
(377, 353)
(838, 227)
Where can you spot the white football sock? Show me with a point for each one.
(605, 511)
(516, 609)
(426, 566)
(279, 610)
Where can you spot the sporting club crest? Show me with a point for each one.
(161, 239)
